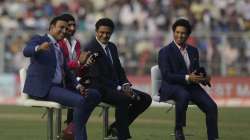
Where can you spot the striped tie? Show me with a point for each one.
(108, 54)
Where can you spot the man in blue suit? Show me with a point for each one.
(181, 73)
(48, 70)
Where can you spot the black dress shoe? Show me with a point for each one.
(179, 134)
(112, 131)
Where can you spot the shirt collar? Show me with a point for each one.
(52, 38)
(70, 38)
(185, 46)
(103, 45)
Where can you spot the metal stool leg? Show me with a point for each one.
(105, 114)
(58, 126)
(50, 124)
(105, 121)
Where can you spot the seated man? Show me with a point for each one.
(48, 70)
(181, 74)
(110, 80)
(75, 60)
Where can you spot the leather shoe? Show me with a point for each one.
(113, 134)
(112, 131)
(179, 134)
(68, 132)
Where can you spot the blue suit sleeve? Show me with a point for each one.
(29, 50)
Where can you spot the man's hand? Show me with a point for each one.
(82, 89)
(129, 94)
(127, 90)
(83, 57)
(44, 46)
(194, 78)
(206, 82)
(90, 60)
(126, 87)
(201, 78)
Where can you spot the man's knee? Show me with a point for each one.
(212, 108)
(146, 100)
(124, 101)
(183, 98)
(94, 96)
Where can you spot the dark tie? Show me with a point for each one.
(108, 54)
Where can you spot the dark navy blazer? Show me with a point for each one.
(42, 68)
(103, 71)
(173, 67)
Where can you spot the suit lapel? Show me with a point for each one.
(179, 56)
(102, 53)
(192, 58)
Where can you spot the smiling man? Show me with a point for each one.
(181, 74)
(112, 83)
(48, 70)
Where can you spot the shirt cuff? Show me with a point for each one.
(78, 86)
(187, 78)
(36, 48)
(119, 88)
(126, 84)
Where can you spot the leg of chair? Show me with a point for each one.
(50, 124)
(105, 111)
(105, 121)
(58, 122)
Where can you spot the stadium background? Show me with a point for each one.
(220, 32)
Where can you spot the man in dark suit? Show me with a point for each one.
(112, 83)
(181, 73)
(48, 70)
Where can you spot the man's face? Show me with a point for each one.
(180, 35)
(103, 34)
(58, 30)
(71, 28)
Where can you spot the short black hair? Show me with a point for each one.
(55, 19)
(68, 17)
(105, 22)
(184, 23)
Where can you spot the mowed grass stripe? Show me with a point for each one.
(22, 123)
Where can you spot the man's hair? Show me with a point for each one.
(68, 17)
(55, 20)
(184, 23)
(104, 22)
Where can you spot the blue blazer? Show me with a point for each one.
(42, 68)
(173, 68)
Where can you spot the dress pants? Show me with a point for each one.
(126, 110)
(183, 94)
(82, 105)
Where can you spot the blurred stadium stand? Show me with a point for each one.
(221, 29)
(221, 32)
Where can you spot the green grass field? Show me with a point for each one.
(21, 123)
